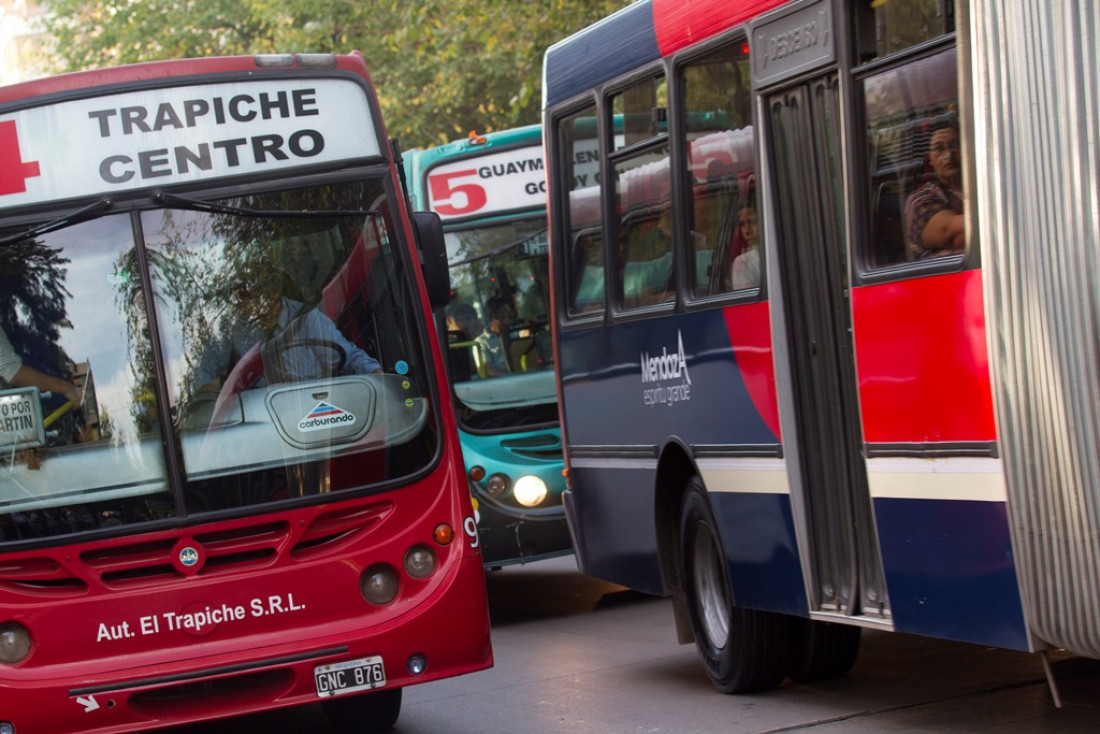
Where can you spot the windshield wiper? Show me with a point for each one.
(80, 215)
(213, 207)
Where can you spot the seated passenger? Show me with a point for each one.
(745, 271)
(491, 340)
(934, 222)
(17, 374)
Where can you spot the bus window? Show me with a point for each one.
(584, 260)
(722, 162)
(260, 312)
(915, 177)
(642, 109)
(887, 27)
(644, 200)
(73, 307)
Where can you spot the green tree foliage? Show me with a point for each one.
(442, 67)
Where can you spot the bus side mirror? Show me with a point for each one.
(433, 257)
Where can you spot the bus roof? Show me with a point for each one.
(636, 35)
(176, 68)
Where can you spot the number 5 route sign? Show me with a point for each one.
(493, 184)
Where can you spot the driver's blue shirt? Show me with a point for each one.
(301, 349)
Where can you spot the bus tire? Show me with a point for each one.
(822, 649)
(743, 650)
(365, 713)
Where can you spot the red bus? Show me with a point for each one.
(231, 479)
(826, 322)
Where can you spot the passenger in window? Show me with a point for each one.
(17, 374)
(745, 272)
(934, 222)
(645, 259)
(491, 340)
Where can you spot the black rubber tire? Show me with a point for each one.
(743, 650)
(822, 649)
(365, 713)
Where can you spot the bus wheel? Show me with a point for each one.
(743, 650)
(822, 649)
(365, 713)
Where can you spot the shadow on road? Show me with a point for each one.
(549, 589)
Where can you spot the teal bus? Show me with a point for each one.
(490, 193)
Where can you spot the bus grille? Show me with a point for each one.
(149, 562)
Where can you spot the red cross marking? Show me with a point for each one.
(14, 171)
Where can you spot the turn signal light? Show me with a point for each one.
(443, 534)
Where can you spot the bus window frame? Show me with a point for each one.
(656, 71)
(560, 216)
(863, 268)
(678, 127)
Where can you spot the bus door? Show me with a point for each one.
(845, 566)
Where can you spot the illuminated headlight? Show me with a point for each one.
(15, 642)
(497, 485)
(529, 490)
(420, 562)
(6, 727)
(379, 584)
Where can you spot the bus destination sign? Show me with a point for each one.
(152, 138)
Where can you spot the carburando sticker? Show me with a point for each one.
(325, 415)
(665, 376)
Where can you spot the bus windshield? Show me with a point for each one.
(228, 355)
(497, 325)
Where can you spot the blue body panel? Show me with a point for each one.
(605, 395)
(601, 52)
(758, 534)
(615, 517)
(950, 570)
(615, 506)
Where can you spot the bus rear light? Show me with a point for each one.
(379, 584)
(420, 562)
(497, 485)
(443, 534)
(15, 642)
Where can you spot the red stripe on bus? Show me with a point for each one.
(922, 360)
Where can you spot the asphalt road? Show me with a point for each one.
(577, 655)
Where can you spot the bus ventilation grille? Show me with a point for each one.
(150, 562)
(544, 447)
(41, 576)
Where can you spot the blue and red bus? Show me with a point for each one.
(825, 323)
(490, 193)
(231, 480)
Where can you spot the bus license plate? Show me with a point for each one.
(348, 676)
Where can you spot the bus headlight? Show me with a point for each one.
(420, 562)
(497, 485)
(379, 584)
(15, 642)
(529, 490)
